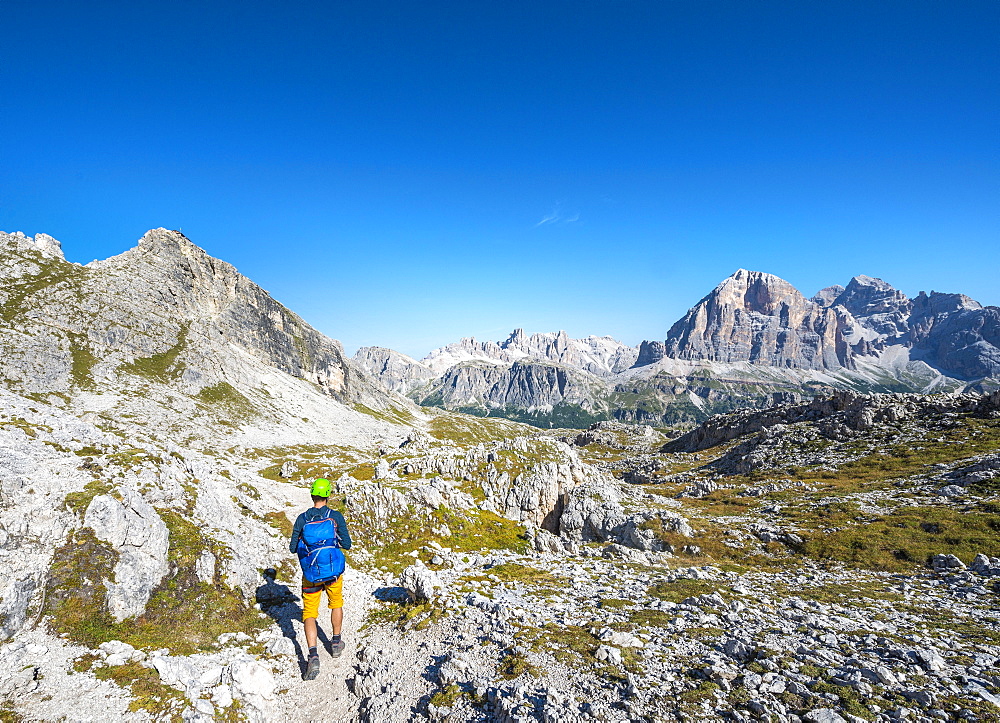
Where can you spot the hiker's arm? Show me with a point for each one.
(345, 536)
(293, 544)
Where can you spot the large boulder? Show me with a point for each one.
(140, 537)
(420, 582)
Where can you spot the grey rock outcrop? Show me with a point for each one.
(537, 497)
(396, 371)
(877, 306)
(594, 512)
(134, 529)
(420, 582)
(600, 355)
(523, 385)
(761, 319)
(650, 352)
(826, 297)
(957, 334)
(164, 309)
(832, 415)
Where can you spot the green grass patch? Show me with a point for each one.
(8, 714)
(249, 490)
(473, 530)
(983, 710)
(83, 362)
(391, 414)
(906, 538)
(849, 701)
(515, 665)
(468, 430)
(280, 522)
(515, 572)
(162, 366)
(446, 698)
(856, 593)
(652, 618)
(704, 691)
(303, 471)
(710, 537)
(132, 457)
(78, 502)
(51, 273)
(363, 472)
(225, 397)
(615, 604)
(679, 590)
(981, 630)
(574, 645)
(149, 693)
(417, 615)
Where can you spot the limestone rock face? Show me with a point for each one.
(600, 355)
(759, 318)
(420, 582)
(165, 308)
(865, 296)
(826, 297)
(538, 496)
(139, 536)
(396, 371)
(763, 320)
(754, 341)
(650, 352)
(957, 334)
(878, 307)
(523, 384)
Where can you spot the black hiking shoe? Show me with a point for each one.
(337, 648)
(312, 668)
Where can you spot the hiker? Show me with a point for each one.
(319, 535)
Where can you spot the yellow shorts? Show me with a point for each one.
(310, 600)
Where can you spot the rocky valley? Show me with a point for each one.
(825, 550)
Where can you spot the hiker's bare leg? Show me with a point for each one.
(336, 620)
(310, 626)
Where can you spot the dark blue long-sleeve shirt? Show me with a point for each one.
(314, 513)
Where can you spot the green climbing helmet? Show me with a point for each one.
(321, 488)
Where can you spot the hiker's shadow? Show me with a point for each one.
(282, 605)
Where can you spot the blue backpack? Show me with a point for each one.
(319, 550)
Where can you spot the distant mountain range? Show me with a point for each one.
(755, 339)
(167, 316)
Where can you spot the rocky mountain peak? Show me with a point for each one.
(41, 243)
(756, 291)
(166, 238)
(941, 303)
(762, 319)
(516, 338)
(396, 371)
(865, 296)
(48, 245)
(828, 296)
(193, 309)
(175, 256)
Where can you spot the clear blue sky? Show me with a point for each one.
(404, 174)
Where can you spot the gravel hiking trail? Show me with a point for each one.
(327, 698)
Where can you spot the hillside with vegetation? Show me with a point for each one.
(822, 560)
